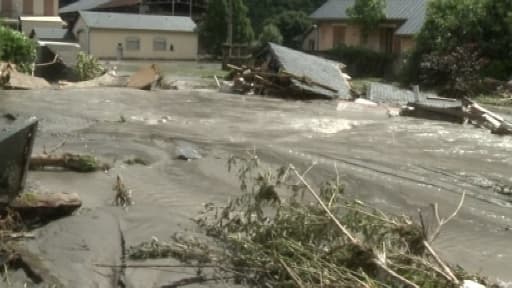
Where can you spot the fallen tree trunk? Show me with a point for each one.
(73, 162)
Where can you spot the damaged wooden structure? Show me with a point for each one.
(430, 106)
(288, 73)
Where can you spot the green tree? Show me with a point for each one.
(367, 13)
(16, 48)
(272, 34)
(485, 25)
(242, 27)
(292, 25)
(214, 29)
(496, 41)
(262, 10)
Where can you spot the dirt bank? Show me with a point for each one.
(399, 164)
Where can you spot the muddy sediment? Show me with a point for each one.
(398, 164)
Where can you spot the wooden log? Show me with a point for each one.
(33, 207)
(73, 162)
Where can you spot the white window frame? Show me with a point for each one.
(131, 42)
(159, 44)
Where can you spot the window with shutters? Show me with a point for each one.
(132, 44)
(159, 44)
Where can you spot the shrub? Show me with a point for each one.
(271, 33)
(453, 24)
(456, 72)
(291, 24)
(363, 62)
(87, 67)
(16, 48)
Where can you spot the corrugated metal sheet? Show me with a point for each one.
(317, 69)
(106, 20)
(411, 11)
(50, 33)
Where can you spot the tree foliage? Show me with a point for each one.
(214, 30)
(367, 13)
(262, 10)
(16, 48)
(242, 26)
(291, 24)
(272, 34)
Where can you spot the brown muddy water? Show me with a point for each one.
(398, 164)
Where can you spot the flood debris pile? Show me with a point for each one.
(20, 208)
(485, 118)
(10, 78)
(287, 73)
(274, 235)
(109, 79)
(430, 106)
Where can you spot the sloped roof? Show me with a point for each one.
(317, 69)
(108, 20)
(411, 11)
(119, 3)
(82, 5)
(67, 51)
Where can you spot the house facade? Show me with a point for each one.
(333, 27)
(135, 36)
(16, 8)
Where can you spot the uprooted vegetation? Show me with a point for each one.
(272, 236)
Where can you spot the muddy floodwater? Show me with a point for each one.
(398, 164)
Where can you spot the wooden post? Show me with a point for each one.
(191, 8)
(416, 90)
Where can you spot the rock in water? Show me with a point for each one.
(187, 151)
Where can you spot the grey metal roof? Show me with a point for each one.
(82, 5)
(320, 70)
(411, 11)
(106, 20)
(50, 33)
